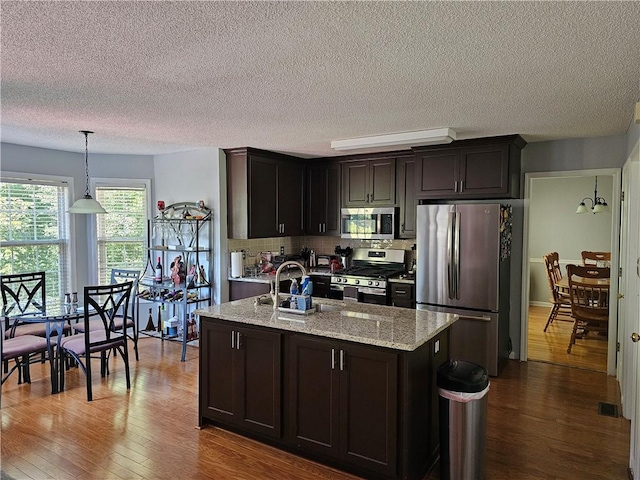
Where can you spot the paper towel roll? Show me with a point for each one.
(236, 264)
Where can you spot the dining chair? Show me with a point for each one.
(22, 293)
(589, 301)
(120, 276)
(23, 350)
(105, 302)
(596, 259)
(560, 301)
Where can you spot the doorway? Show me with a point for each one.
(551, 224)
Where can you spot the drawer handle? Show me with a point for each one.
(401, 291)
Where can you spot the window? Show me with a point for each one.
(34, 231)
(122, 232)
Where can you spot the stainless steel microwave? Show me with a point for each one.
(368, 223)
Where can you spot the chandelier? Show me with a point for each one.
(598, 204)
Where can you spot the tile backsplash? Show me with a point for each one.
(321, 245)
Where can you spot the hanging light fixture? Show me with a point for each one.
(598, 204)
(86, 204)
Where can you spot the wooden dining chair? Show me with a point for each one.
(589, 301)
(561, 304)
(106, 302)
(596, 259)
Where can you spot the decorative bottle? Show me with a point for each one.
(158, 272)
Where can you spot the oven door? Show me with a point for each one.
(377, 296)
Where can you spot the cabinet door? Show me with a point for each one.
(437, 173)
(263, 184)
(382, 182)
(484, 170)
(218, 375)
(368, 407)
(258, 385)
(332, 221)
(314, 397)
(406, 190)
(290, 199)
(316, 199)
(355, 184)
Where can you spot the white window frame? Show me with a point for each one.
(114, 182)
(62, 181)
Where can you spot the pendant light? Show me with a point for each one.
(86, 204)
(598, 204)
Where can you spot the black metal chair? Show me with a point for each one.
(107, 302)
(23, 351)
(23, 293)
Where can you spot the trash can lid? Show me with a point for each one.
(462, 376)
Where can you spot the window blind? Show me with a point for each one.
(122, 232)
(34, 231)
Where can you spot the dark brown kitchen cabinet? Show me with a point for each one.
(369, 183)
(323, 199)
(475, 169)
(264, 194)
(242, 385)
(406, 191)
(343, 402)
(403, 295)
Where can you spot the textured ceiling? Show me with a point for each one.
(160, 77)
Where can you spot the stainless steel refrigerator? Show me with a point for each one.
(463, 267)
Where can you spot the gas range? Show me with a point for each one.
(366, 279)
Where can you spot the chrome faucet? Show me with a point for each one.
(275, 290)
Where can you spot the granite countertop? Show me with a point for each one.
(403, 279)
(390, 327)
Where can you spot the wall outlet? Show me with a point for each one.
(281, 249)
(244, 254)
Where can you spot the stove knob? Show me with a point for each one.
(338, 280)
(377, 284)
(371, 282)
(357, 282)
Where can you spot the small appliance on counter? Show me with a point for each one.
(345, 255)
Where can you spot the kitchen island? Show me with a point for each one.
(352, 385)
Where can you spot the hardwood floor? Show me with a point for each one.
(542, 424)
(551, 346)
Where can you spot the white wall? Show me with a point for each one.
(33, 160)
(190, 177)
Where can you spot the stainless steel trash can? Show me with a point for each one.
(462, 392)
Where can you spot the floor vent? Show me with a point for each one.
(608, 409)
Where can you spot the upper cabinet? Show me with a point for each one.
(264, 194)
(369, 182)
(406, 190)
(478, 168)
(323, 198)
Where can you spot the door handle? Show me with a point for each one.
(233, 336)
(238, 345)
(635, 338)
(342, 363)
(455, 187)
(333, 359)
(461, 186)
(620, 295)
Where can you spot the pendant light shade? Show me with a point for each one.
(598, 204)
(86, 204)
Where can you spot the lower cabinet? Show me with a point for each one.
(342, 402)
(242, 383)
(370, 410)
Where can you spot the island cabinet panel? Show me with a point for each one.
(242, 384)
(337, 390)
(323, 199)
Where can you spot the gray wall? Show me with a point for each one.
(555, 156)
(22, 159)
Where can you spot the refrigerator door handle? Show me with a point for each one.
(450, 265)
(456, 254)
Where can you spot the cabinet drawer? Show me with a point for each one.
(402, 291)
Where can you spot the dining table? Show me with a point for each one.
(54, 315)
